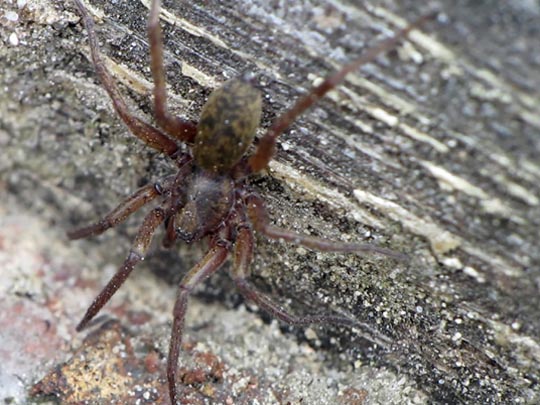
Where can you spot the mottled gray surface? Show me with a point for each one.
(433, 151)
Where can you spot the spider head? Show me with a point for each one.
(227, 126)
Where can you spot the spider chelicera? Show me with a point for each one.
(209, 196)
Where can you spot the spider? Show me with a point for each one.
(210, 197)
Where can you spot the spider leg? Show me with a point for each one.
(172, 125)
(210, 263)
(243, 253)
(259, 218)
(136, 254)
(147, 133)
(131, 204)
(266, 147)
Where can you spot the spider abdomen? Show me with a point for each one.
(227, 126)
(208, 202)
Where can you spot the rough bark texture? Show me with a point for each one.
(432, 151)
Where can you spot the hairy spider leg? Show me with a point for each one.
(243, 254)
(127, 207)
(136, 254)
(260, 220)
(210, 263)
(174, 126)
(267, 144)
(147, 133)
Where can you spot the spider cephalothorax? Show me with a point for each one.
(209, 197)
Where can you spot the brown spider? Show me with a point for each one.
(210, 196)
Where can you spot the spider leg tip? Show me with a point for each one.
(80, 326)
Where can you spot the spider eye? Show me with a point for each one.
(227, 125)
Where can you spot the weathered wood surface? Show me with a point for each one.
(432, 151)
